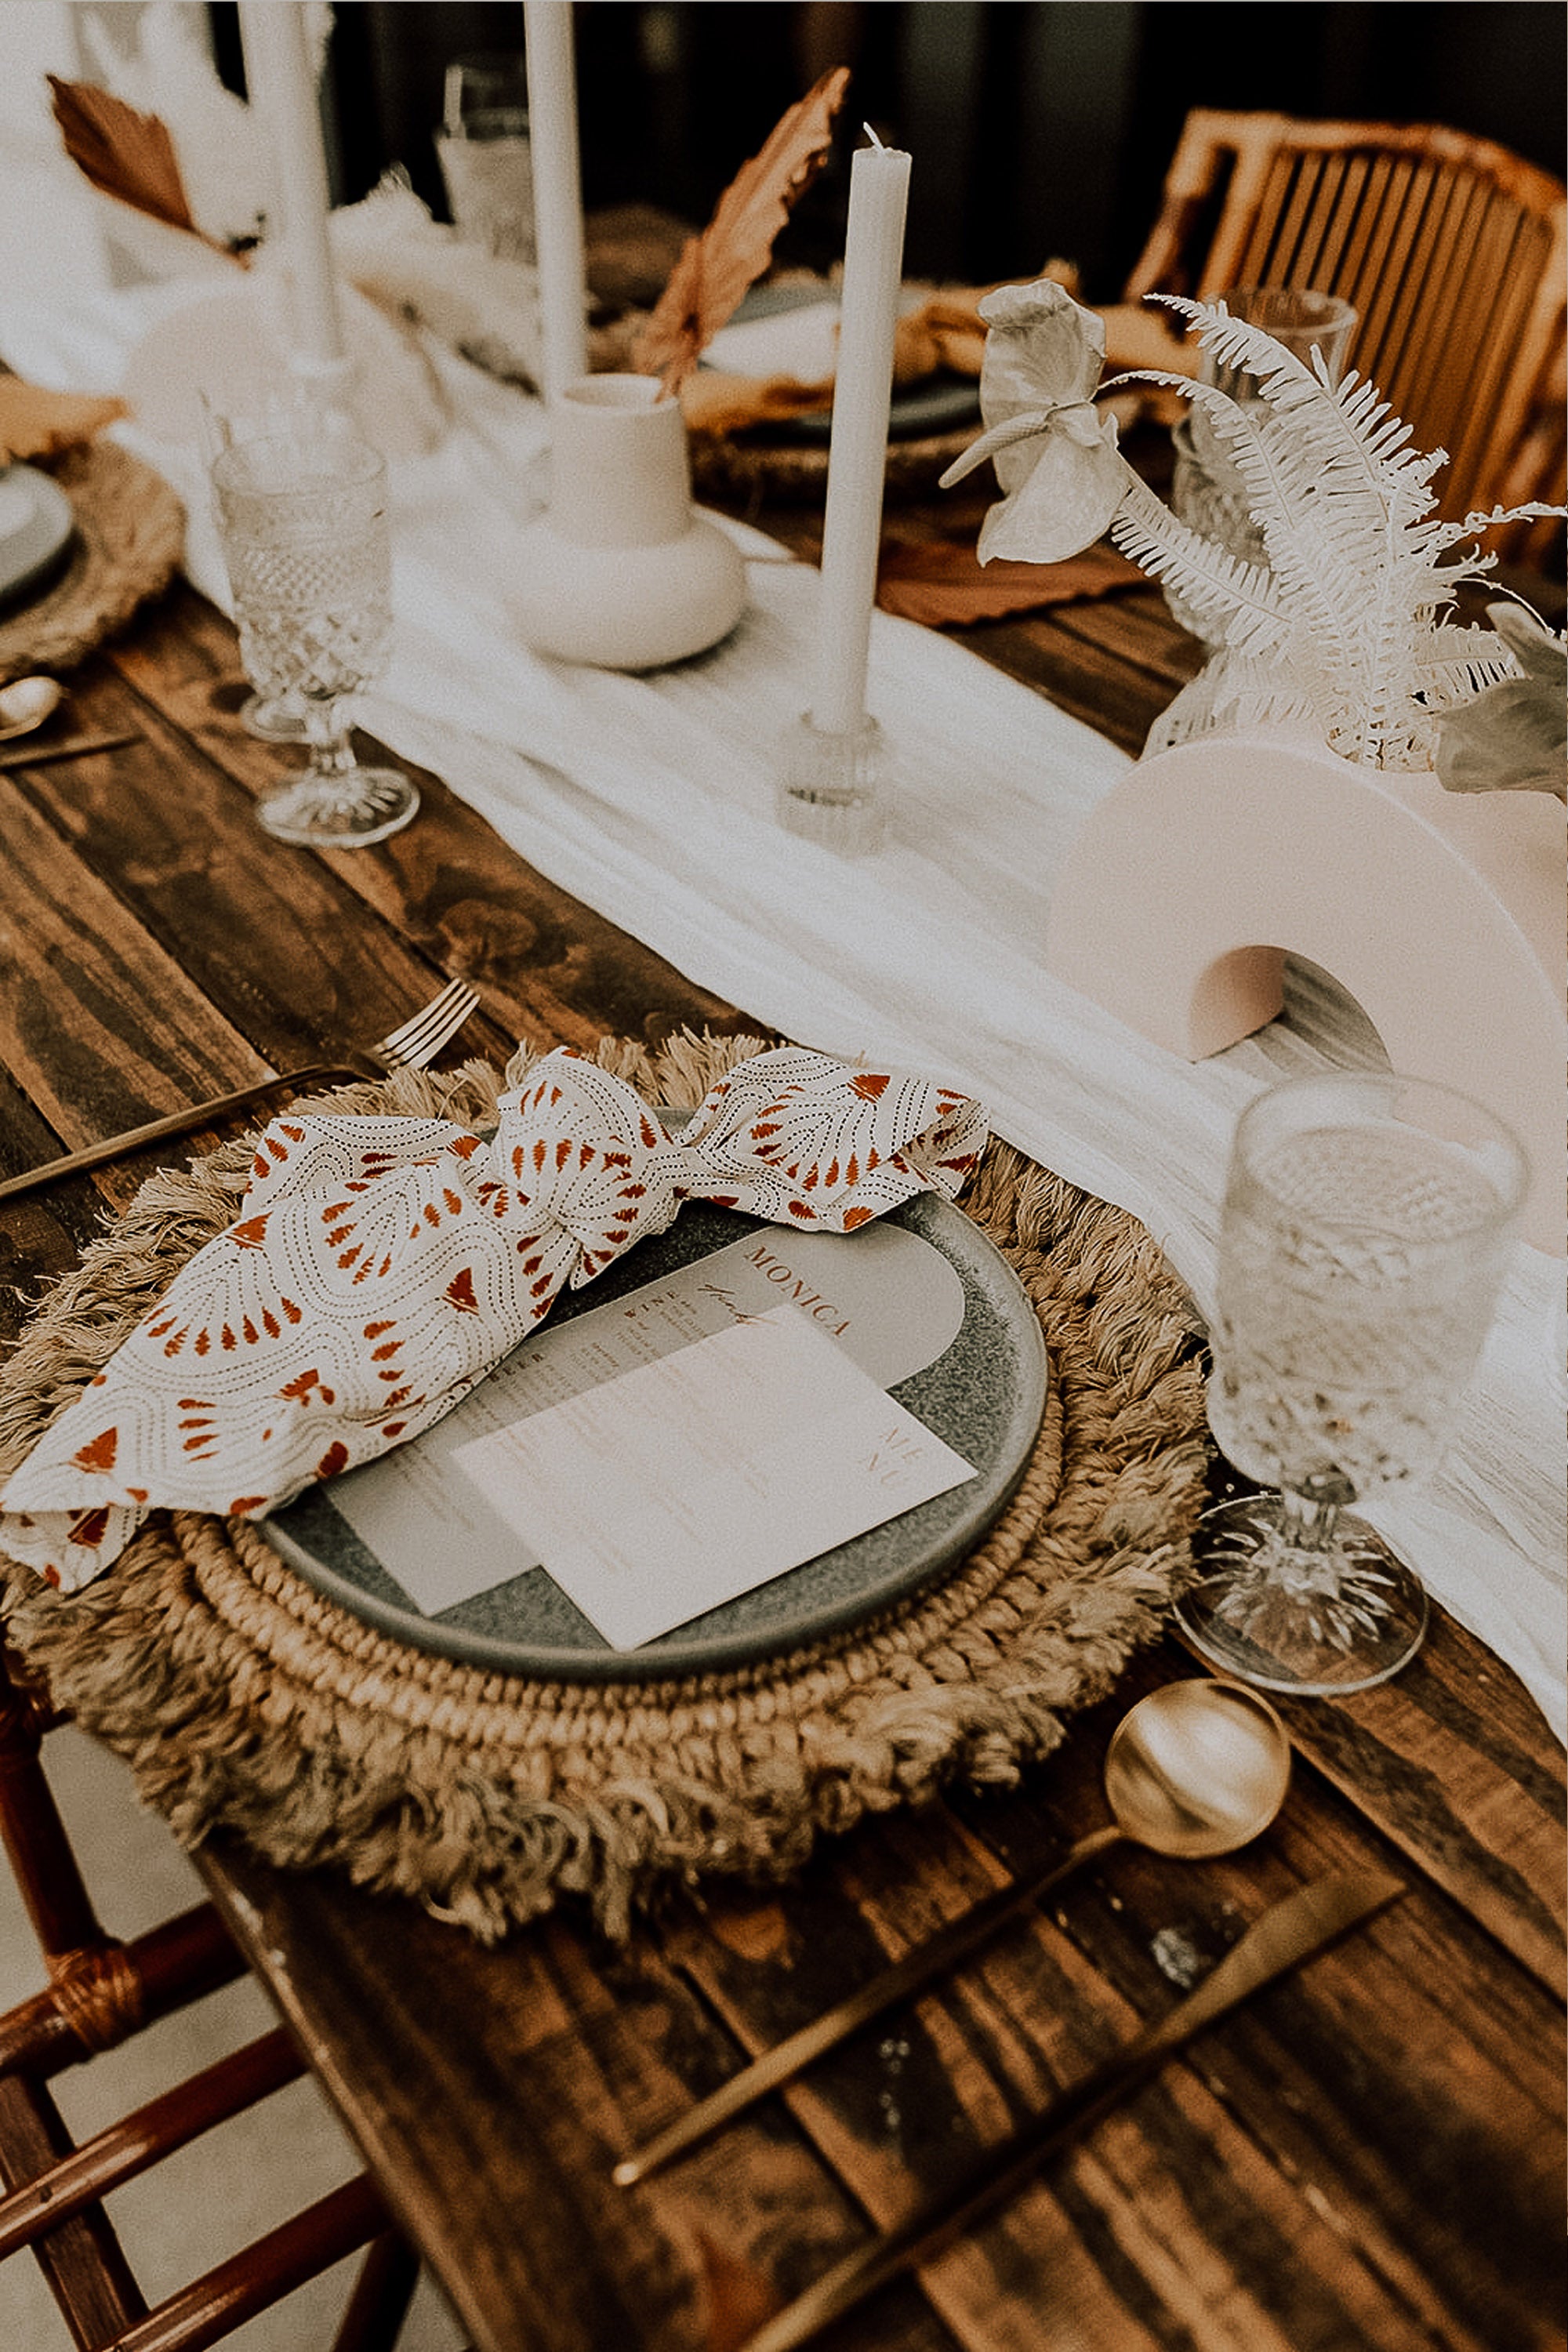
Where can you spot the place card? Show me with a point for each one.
(655, 1496)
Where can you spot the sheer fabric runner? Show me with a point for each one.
(651, 799)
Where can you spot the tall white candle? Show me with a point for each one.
(858, 448)
(557, 191)
(280, 78)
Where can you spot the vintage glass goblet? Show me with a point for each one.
(302, 518)
(1206, 488)
(1365, 1233)
(483, 150)
(273, 719)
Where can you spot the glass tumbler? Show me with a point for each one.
(303, 521)
(1367, 1224)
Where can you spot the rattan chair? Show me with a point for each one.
(99, 1991)
(1452, 250)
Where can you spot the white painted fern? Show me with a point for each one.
(1343, 628)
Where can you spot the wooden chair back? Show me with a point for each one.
(98, 1992)
(1453, 252)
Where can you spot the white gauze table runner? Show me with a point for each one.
(651, 799)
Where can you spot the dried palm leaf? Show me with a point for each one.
(716, 269)
(124, 153)
(942, 585)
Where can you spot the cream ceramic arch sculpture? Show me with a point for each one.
(1441, 913)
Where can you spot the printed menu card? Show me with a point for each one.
(661, 1494)
(663, 1451)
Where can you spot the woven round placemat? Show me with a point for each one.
(744, 465)
(129, 534)
(244, 1701)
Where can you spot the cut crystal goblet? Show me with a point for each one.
(303, 522)
(1366, 1231)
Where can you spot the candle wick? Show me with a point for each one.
(873, 138)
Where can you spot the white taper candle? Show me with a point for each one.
(281, 81)
(557, 191)
(858, 448)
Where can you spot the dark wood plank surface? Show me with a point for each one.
(1370, 2155)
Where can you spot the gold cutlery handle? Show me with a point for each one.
(1289, 1932)
(175, 1123)
(72, 747)
(920, 1965)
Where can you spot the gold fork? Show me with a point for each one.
(412, 1045)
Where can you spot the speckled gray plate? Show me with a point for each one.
(985, 1395)
(939, 406)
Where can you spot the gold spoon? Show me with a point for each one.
(1195, 1769)
(26, 703)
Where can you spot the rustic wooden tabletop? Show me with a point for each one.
(1369, 2156)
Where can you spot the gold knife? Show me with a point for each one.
(921, 1965)
(1291, 1931)
(69, 747)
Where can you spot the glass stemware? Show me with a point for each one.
(302, 518)
(483, 150)
(1206, 488)
(1365, 1233)
(273, 718)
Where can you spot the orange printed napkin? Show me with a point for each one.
(379, 1267)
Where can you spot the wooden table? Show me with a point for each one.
(1370, 2155)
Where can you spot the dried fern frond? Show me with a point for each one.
(1214, 581)
(1346, 510)
(1233, 692)
(1338, 624)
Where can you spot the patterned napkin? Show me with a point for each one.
(381, 1266)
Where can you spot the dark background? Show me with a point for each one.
(1038, 131)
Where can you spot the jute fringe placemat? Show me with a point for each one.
(129, 534)
(244, 1702)
(744, 465)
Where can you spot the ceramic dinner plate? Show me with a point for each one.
(36, 521)
(941, 404)
(788, 330)
(922, 1288)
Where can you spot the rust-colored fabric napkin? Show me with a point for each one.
(717, 401)
(381, 1266)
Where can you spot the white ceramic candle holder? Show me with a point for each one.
(620, 572)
